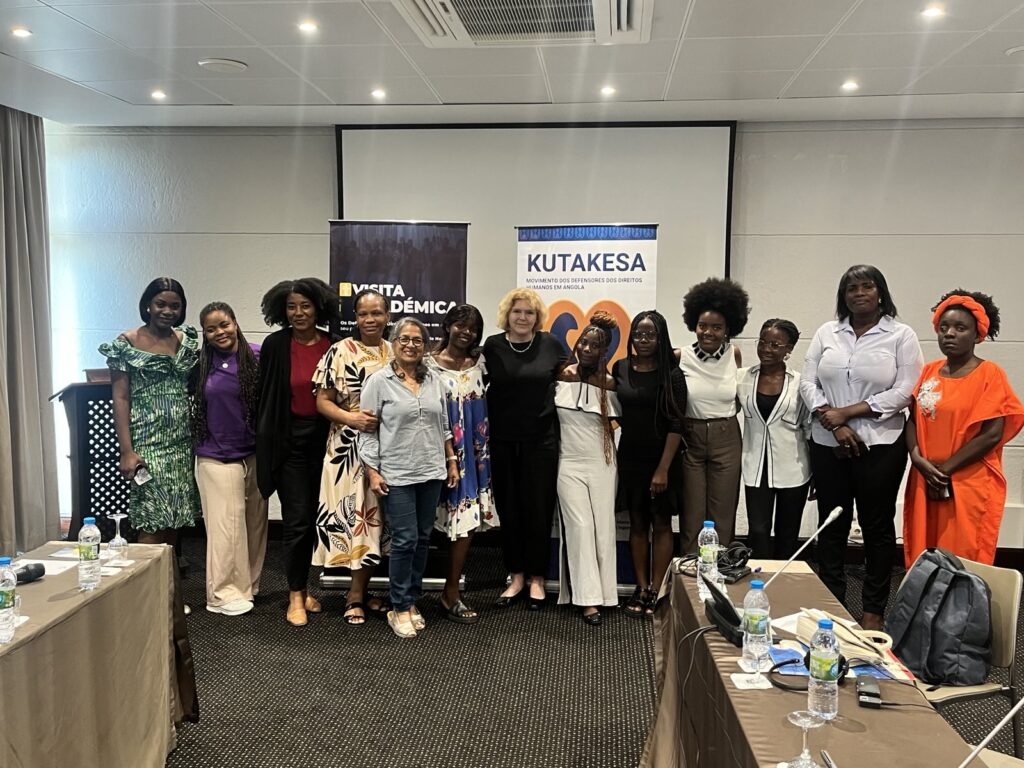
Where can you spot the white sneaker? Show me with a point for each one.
(234, 608)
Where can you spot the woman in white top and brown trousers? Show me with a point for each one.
(715, 310)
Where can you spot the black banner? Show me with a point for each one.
(419, 267)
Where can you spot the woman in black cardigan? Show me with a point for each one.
(291, 436)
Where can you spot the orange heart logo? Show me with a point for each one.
(566, 322)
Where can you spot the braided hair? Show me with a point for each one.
(248, 376)
(665, 357)
(603, 324)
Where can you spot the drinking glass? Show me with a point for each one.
(118, 546)
(804, 720)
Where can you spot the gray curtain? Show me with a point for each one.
(29, 514)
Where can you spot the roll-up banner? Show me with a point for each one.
(420, 267)
(577, 270)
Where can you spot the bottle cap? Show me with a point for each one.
(757, 584)
(709, 523)
(5, 561)
(824, 623)
(88, 521)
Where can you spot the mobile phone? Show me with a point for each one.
(142, 475)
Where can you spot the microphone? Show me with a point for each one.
(26, 574)
(832, 517)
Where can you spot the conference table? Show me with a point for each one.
(703, 720)
(87, 680)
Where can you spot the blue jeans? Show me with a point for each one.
(410, 510)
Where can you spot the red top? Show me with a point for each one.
(304, 362)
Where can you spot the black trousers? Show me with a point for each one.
(524, 478)
(787, 507)
(872, 482)
(298, 488)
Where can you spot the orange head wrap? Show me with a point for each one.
(956, 300)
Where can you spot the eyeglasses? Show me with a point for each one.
(773, 345)
(646, 336)
(410, 341)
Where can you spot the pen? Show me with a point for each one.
(829, 762)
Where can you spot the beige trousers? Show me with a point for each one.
(236, 528)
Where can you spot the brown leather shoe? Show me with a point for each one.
(313, 605)
(296, 616)
(871, 620)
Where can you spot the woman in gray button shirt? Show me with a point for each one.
(407, 460)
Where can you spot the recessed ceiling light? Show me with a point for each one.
(158, 95)
(850, 86)
(1016, 49)
(933, 12)
(308, 26)
(21, 32)
(607, 91)
(378, 93)
(225, 66)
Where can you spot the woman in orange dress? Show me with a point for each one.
(964, 412)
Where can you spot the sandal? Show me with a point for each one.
(636, 605)
(418, 622)
(650, 602)
(403, 629)
(379, 605)
(460, 613)
(353, 619)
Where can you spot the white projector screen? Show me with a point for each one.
(498, 178)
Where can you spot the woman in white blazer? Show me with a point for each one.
(776, 463)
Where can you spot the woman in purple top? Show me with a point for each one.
(223, 413)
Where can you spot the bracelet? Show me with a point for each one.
(453, 458)
(835, 428)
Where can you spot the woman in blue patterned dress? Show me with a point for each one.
(469, 506)
(150, 368)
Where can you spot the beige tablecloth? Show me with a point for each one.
(703, 720)
(87, 679)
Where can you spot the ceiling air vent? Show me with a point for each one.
(473, 23)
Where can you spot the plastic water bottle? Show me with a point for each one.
(89, 554)
(756, 624)
(707, 558)
(8, 583)
(823, 683)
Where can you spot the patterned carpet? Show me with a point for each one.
(517, 689)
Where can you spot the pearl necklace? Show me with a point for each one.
(511, 345)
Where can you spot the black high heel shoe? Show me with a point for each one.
(593, 619)
(504, 601)
(534, 603)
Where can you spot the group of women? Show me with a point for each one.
(372, 443)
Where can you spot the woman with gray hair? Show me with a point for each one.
(407, 460)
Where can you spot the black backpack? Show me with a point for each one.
(941, 625)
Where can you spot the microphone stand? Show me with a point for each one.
(992, 733)
(832, 517)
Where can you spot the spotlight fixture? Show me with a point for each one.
(378, 93)
(850, 86)
(158, 95)
(309, 27)
(1015, 50)
(224, 66)
(21, 32)
(933, 12)
(607, 91)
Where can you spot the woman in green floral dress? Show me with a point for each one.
(149, 371)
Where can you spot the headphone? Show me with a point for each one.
(775, 676)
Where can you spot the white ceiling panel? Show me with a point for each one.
(184, 61)
(112, 64)
(257, 91)
(727, 85)
(971, 80)
(61, 3)
(888, 16)
(51, 31)
(18, 3)
(277, 23)
(989, 50)
(597, 59)
(667, 22)
(744, 54)
(567, 89)
(475, 61)
(872, 82)
(754, 18)
(158, 26)
(138, 92)
(491, 90)
(393, 22)
(901, 50)
(355, 90)
(372, 61)
(1014, 21)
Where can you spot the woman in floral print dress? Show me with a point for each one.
(351, 532)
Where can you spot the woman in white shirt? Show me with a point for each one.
(715, 310)
(859, 376)
(776, 428)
